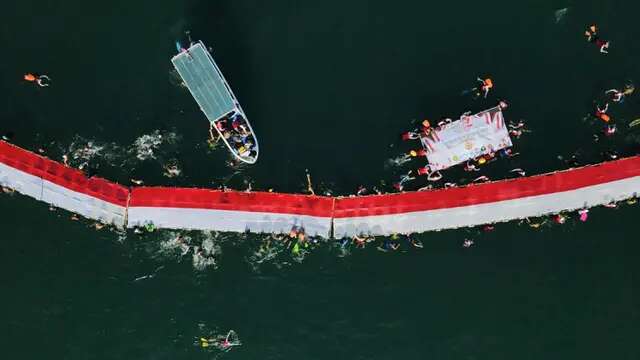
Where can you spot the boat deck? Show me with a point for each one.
(204, 81)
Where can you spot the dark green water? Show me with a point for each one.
(327, 87)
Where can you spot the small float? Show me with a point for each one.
(202, 76)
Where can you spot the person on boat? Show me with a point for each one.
(602, 113)
(484, 86)
(221, 124)
(41, 80)
(592, 36)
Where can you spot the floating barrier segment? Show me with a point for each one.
(62, 186)
(411, 212)
(201, 209)
(488, 203)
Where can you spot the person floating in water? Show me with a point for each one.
(484, 87)
(584, 214)
(619, 95)
(405, 178)
(592, 36)
(601, 113)
(224, 343)
(41, 80)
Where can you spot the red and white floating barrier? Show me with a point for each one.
(62, 186)
(201, 209)
(488, 203)
(261, 212)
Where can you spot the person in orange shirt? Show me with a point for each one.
(41, 80)
(485, 86)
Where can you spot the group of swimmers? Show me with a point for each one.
(235, 130)
(515, 129)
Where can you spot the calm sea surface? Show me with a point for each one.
(328, 87)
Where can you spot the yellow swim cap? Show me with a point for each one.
(482, 161)
(413, 153)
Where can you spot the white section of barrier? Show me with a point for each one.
(85, 205)
(21, 181)
(227, 220)
(474, 215)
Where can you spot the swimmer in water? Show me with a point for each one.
(584, 214)
(415, 243)
(410, 136)
(467, 243)
(516, 126)
(448, 185)
(361, 191)
(519, 171)
(435, 176)
(610, 130)
(601, 113)
(592, 36)
(560, 219)
(535, 225)
(360, 241)
(41, 80)
(484, 86)
(137, 182)
(469, 166)
(482, 178)
(405, 178)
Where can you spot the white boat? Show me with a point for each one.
(212, 92)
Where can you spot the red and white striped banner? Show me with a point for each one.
(186, 208)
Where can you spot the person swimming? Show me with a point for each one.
(619, 95)
(592, 36)
(485, 86)
(584, 214)
(601, 113)
(41, 80)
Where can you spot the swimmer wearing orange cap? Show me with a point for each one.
(485, 86)
(41, 80)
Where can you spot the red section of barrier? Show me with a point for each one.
(232, 200)
(320, 206)
(488, 192)
(61, 175)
